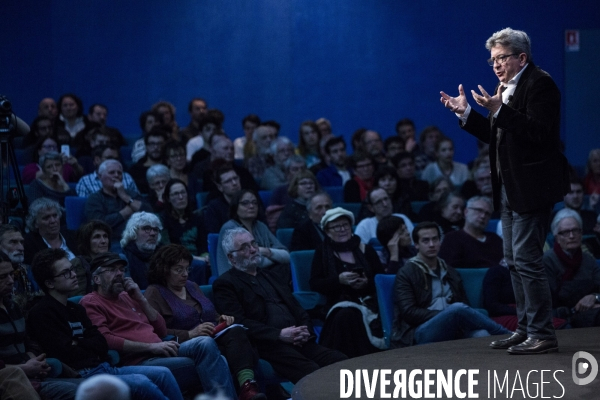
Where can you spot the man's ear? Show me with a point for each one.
(219, 187)
(231, 259)
(49, 283)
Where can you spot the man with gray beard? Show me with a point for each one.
(140, 240)
(11, 244)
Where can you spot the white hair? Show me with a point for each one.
(106, 163)
(43, 203)
(562, 214)
(229, 238)
(157, 170)
(280, 141)
(136, 221)
(103, 387)
(517, 41)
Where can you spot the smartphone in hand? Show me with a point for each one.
(65, 149)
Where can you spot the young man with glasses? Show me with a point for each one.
(154, 141)
(136, 330)
(472, 246)
(380, 204)
(529, 175)
(64, 331)
(277, 325)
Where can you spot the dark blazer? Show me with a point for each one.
(235, 294)
(533, 169)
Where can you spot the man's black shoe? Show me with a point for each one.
(514, 339)
(534, 346)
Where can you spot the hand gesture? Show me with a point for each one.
(165, 349)
(359, 283)
(586, 303)
(392, 246)
(295, 335)
(132, 289)
(346, 277)
(492, 103)
(36, 367)
(204, 329)
(120, 188)
(457, 104)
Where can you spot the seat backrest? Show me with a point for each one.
(201, 199)
(213, 242)
(417, 205)
(336, 193)
(473, 282)
(208, 292)
(284, 235)
(301, 263)
(384, 284)
(265, 197)
(354, 208)
(492, 225)
(74, 210)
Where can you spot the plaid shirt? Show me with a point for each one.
(89, 184)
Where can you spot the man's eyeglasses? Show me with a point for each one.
(569, 232)
(500, 59)
(381, 202)
(150, 229)
(181, 270)
(67, 273)
(480, 211)
(244, 248)
(114, 270)
(339, 228)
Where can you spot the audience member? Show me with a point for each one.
(71, 169)
(50, 184)
(93, 238)
(356, 189)
(188, 313)
(14, 384)
(277, 325)
(337, 173)
(103, 387)
(308, 145)
(148, 120)
(449, 212)
(282, 149)
(166, 111)
(429, 298)
(47, 108)
(592, 173)
(411, 189)
(208, 183)
(574, 201)
(154, 141)
(157, 176)
(175, 159)
(356, 140)
(197, 109)
(380, 204)
(343, 270)
(98, 113)
(64, 331)
(262, 158)
(72, 126)
(573, 274)
(243, 212)
(199, 148)
(472, 246)
(393, 235)
(405, 129)
(216, 212)
(392, 146)
(426, 152)
(293, 166)
(387, 178)
(373, 146)
(301, 189)
(25, 288)
(131, 326)
(221, 148)
(324, 126)
(91, 183)
(41, 127)
(445, 165)
(249, 123)
(16, 349)
(113, 203)
(436, 190)
(44, 225)
(308, 235)
(481, 185)
(140, 239)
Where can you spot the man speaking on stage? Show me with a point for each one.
(529, 174)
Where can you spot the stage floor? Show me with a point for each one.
(500, 375)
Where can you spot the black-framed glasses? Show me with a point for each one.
(569, 232)
(150, 229)
(113, 270)
(340, 228)
(244, 248)
(67, 273)
(500, 59)
(481, 211)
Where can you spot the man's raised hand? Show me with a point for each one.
(457, 104)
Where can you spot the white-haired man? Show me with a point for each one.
(277, 325)
(113, 203)
(282, 149)
(139, 242)
(262, 159)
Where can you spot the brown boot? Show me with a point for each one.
(249, 391)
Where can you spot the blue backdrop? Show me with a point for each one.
(359, 63)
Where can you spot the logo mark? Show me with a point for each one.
(581, 368)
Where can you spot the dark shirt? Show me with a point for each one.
(279, 315)
(461, 250)
(307, 236)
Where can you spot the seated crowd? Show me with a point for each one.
(130, 280)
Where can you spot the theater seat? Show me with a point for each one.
(336, 193)
(301, 263)
(473, 282)
(284, 235)
(384, 284)
(213, 242)
(74, 209)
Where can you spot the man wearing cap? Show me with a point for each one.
(135, 329)
(65, 332)
(277, 325)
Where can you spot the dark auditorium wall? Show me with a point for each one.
(357, 62)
